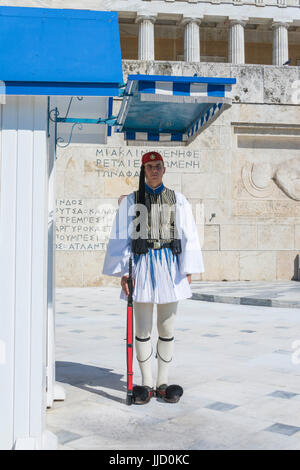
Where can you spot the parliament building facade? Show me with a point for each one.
(241, 174)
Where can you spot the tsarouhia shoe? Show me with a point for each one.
(169, 393)
(142, 394)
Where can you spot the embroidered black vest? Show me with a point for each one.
(160, 220)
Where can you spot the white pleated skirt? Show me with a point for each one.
(158, 279)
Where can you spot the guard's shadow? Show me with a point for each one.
(87, 377)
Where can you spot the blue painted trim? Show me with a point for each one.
(109, 113)
(130, 135)
(153, 136)
(146, 86)
(51, 12)
(62, 88)
(181, 89)
(171, 78)
(176, 137)
(111, 120)
(214, 89)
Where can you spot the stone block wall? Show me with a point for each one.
(241, 175)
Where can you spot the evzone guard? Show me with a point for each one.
(155, 227)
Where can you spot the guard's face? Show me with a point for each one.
(154, 172)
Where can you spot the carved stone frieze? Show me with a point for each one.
(258, 178)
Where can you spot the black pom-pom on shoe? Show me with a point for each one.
(142, 394)
(169, 393)
(173, 393)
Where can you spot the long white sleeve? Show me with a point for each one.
(118, 250)
(190, 259)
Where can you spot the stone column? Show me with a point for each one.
(280, 42)
(191, 39)
(236, 51)
(146, 37)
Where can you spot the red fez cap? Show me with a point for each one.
(151, 157)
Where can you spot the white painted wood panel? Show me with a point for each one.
(39, 269)
(7, 268)
(24, 203)
(23, 273)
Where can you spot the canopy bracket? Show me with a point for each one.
(53, 116)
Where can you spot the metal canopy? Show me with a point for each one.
(45, 51)
(168, 109)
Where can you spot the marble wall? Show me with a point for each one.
(241, 175)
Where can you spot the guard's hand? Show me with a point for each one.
(125, 285)
(189, 278)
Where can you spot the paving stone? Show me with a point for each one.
(283, 394)
(66, 436)
(283, 429)
(282, 351)
(219, 406)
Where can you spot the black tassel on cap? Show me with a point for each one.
(141, 198)
(139, 246)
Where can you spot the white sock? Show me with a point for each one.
(144, 356)
(143, 313)
(165, 348)
(166, 314)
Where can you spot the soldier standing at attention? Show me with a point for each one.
(155, 226)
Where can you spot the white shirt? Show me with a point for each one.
(160, 276)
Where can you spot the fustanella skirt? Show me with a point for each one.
(158, 279)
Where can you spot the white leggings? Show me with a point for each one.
(143, 313)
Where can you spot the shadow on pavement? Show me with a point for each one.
(87, 377)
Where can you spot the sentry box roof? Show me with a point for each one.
(168, 109)
(59, 52)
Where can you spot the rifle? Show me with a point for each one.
(129, 336)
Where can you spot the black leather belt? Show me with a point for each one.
(158, 245)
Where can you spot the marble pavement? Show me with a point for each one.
(239, 366)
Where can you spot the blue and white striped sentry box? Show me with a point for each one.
(171, 110)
